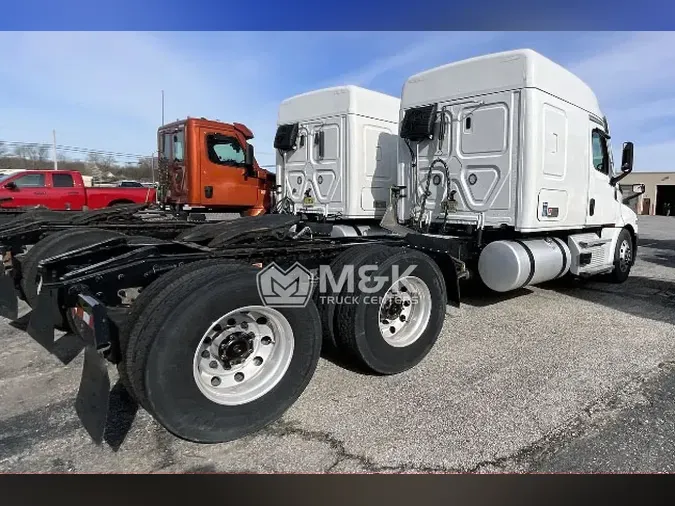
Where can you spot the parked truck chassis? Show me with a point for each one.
(27, 227)
(102, 281)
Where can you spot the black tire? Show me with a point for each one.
(130, 333)
(164, 358)
(52, 245)
(358, 329)
(622, 269)
(55, 244)
(26, 259)
(328, 305)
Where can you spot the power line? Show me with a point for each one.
(86, 151)
(72, 149)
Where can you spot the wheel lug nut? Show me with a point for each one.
(206, 354)
(266, 340)
(257, 361)
(239, 377)
(402, 317)
(244, 325)
(215, 381)
(406, 303)
(213, 364)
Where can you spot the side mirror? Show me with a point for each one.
(249, 157)
(626, 163)
(638, 189)
(627, 158)
(249, 161)
(11, 186)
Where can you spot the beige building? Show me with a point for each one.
(659, 195)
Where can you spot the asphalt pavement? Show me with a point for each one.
(565, 377)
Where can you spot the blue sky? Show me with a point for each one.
(101, 90)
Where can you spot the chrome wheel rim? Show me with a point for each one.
(243, 355)
(405, 311)
(625, 255)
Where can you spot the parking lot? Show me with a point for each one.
(563, 377)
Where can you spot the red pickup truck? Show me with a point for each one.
(64, 190)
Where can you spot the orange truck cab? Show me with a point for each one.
(209, 166)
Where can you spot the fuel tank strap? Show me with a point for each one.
(532, 262)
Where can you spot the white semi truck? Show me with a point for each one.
(336, 156)
(514, 149)
(502, 170)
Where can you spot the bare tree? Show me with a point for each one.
(22, 152)
(93, 167)
(37, 154)
(107, 163)
(145, 167)
(3, 149)
(41, 153)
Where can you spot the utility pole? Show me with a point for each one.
(56, 163)
(162, 107)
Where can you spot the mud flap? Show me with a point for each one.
(9, 303)
(446, 252)
(41, 323)
(93, 396)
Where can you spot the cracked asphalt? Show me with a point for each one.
(570, 376)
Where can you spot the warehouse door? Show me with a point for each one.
(665, 200)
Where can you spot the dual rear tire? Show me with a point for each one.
(212, 363)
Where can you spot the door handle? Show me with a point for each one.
(73, 193)
(591, 208)
(39, 193)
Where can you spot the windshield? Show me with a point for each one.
(5, 176)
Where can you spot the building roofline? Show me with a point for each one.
(653, 172)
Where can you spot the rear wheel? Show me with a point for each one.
(212, 367)
(328, 302)
(392, 327)
(147, 303)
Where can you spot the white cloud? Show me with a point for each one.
(641, 64)
(417, 54)
(633, 76)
